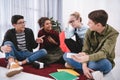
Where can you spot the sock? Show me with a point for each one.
(20, 63)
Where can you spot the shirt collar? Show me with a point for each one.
(79, 28)
(104, 31)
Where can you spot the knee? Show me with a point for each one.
(108, 66)
(92, 65)
(44, 51)
(64, 56)
(67, 59)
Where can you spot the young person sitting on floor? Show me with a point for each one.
(74, 35)
(98, 53)
(50, 41)
(18, 45)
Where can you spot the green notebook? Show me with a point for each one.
(62, 75)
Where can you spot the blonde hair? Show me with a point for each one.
(76, 15)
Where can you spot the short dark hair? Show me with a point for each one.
(42, 20)
(15, 18)
(98, 16)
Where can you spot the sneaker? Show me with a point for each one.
(97, 75)
(18, 62)
(38, 65)
(14, 69)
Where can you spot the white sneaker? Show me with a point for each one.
(97, 75)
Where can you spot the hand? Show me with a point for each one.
(87, 72)
(52, 40)
(82, 53)
(6, 48)
(81, 57)
(40, 39)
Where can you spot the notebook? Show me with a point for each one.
(71, 71)
(62, 75)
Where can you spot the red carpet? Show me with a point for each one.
(42, 72)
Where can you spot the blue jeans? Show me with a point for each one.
(24, 55)
(103, 65)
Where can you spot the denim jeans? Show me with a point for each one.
(22, 55)
(103, 65)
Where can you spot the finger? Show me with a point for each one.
(88, 75)
(8, 49)
(91, 70)
(43, 36)
(38, 39)
(75, 58)
(8, 45)
(80, 55)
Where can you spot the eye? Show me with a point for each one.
(21, 22)
(71, 21)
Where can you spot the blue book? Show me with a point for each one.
(62, 75)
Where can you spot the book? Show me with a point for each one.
(70, 54)
(62, 75)
(71, 71)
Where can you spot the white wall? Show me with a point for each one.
(86, 6)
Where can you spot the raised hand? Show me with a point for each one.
(40, 39)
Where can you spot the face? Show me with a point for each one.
(92, 25)
(20, 25)
(74, 22)
(47, 25)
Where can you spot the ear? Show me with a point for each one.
(14, 25)
(78, 20)
(99, 24)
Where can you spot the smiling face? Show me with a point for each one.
(47, 25)
(98, 27)
(20, 25)
(97, 20)
(92, 25)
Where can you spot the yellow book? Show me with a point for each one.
(71, 71)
